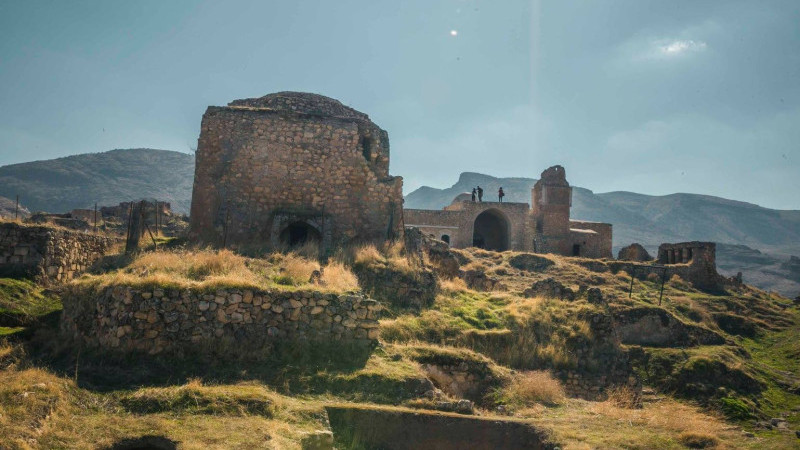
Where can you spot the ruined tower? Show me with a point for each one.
(551, 199)
(289, 169)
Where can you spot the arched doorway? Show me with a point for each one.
(298, 234)
(446, 238)
(490, 231)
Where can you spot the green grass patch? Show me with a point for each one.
(23, 302)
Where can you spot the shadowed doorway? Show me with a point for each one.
(490, 231)
(298, 234)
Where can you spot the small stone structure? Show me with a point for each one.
(291, 168)
(543, 228)
(245, 322)
(634, 252)
(51, 255)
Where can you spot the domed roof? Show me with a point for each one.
(462, 197)
(301, 102)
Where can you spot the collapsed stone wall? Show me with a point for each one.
(241, 321)
(49, 254)
(292, 167)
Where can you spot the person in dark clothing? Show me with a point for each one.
(501, 194)
(480, 194)
(474, 193)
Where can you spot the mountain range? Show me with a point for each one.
(756, 240)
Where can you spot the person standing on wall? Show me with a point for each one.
(501, 194)
(480, 194)
(474, 192)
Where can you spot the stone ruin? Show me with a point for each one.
(634, 252)
(290, 169)
(544, 227)
(50, 255)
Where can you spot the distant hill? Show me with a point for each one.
(63, 184)
(652, 220)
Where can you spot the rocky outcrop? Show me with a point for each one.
(530, 262)
(444, 262)
(634, 252)
(479, 281)
(549, 288)
(240, 322)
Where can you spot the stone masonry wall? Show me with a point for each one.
(288, 158)
(246, 322)
(51, 255)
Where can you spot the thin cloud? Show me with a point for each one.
(681, 46)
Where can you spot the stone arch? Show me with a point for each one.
(299, 233)
(491, 230)
(446, 239)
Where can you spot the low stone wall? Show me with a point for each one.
(244, 322)
(50, 254)
(655, 327)
(402, 289)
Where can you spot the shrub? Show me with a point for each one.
(693, 439)
(338, 277)
(734, 409)
(536, 386)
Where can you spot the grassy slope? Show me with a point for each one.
(271, 404)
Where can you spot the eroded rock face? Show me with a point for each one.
(549, 288)
(634, 252)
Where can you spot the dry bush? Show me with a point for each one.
(679, 283)
(623, 397)
(367, 254)
(653, 277)
(338, 277)
(297, 269)
(698, 440)
(453, 285)
(536, 386)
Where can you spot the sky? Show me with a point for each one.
(654, 97)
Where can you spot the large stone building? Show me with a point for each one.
(291, 168)
(543, 228)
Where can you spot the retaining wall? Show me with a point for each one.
(241, 321)
(49, 254)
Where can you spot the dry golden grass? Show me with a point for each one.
(338, 277)
(367, 254)
(296, 268)
(453, 285)
(536, 386)
(210, 269)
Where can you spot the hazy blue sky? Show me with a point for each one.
(653, 97)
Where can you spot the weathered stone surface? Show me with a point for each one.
(478, 280)
(634, 252)
(656, 327)
(530, 262)
(411, 290)
(289, 161)
(122, 319)
(52, 255)
(550, 288)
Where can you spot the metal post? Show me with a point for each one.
(16, 209)
(633, 273)
(95, 217)
(663, 276)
